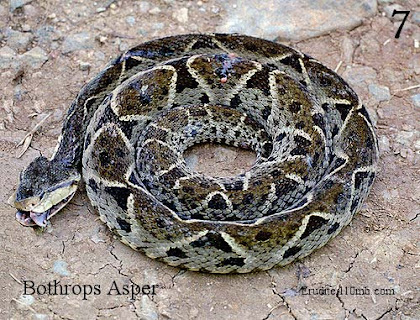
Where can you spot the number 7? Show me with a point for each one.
(406, 12)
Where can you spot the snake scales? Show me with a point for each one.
(128, 128)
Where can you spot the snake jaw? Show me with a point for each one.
(48, 206)
(24, 219)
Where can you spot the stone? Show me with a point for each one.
(147, 309)
(34, 58)
(26, 27)
(415, 18)
(46, 34)
(18, 40)
(7, 57)
(18, 93)
(347, 47)
(158, 26)
(405, 138)
(60, 267)
(123, 46)
(294, 19)
(144, 6)
(14, 4)
(390, 9)
(380, 93)
(84, 66)
(359, 76)
(30, 11)
(416, 100)
(383, 143)
(130, 20)
(78, 41)
(100, 55)
(155, 10)
(415, 63)
(181, 15)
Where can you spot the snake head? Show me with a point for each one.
(45, 187)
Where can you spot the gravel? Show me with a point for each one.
(78, 41)
(294, 19)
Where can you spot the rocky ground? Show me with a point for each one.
(49, 49)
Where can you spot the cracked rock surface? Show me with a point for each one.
(49, 49)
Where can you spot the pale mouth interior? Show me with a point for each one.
(31, 218)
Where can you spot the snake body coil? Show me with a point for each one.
(315, 145)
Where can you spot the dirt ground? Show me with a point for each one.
(373, 264)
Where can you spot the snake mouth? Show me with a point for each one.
(33, 219)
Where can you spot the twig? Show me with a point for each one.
(386, 42)
(408, 88)
(14, 278)
(338, 66)
(26, 141)
(23, 304)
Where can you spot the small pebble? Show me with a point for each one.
(78, 41)
(144, 6)
(102, 39)
(381, 93)
(390, 9)
(123, 46)
(415, 18)
(215, 9)
(405, 138)
(7, 57)
(155, 10)
(384, 144)
(31, 12)
(191, 160)
(18, 40)
(34, 58)
(25, 301)
(416, 100)
(407, 153)
(14, 4)
(158, 26)
(60, 267)
(130, 20)
(181, 15)
(84, 66)
(99, 55)
(26, 27)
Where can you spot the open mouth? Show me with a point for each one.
(32, 219)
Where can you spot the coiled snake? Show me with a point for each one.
(128, 128)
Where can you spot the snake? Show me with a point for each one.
(127, 130)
